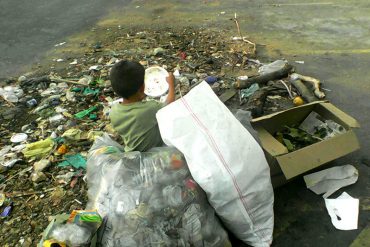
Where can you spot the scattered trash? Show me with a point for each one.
(74, 62)
(68, 105)
(39, 149)
(63, 149)
(85, 113)
(20, 137)
(7, 210)
(330, 180)
(75, 160)
(65, 178)
(211, 79)
(299, 62)
(41, 165)
(343, 211)
(38, 176)
(149, 198)
(2, 199)
(31, 103)
(11, 94)
(246, 93)
(297, 101)
(60, 44)
(158, 51)
(96, 67)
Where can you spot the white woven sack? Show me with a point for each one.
(225, 160)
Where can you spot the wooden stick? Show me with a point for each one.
(303, 90)
(20, 193)
(316, 84)
(243, 38)
(237, 26)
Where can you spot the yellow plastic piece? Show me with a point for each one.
(297, 101)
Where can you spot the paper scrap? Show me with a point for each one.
(330, 180)
(343, 211)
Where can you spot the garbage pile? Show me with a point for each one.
(149, 199)
(51, 118)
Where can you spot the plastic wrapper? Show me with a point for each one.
(148, 199)
(72, 234)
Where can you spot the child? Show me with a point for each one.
(134, 119)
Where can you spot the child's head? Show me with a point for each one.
(127, 78)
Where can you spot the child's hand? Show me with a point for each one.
(170, 79)
(171, 88)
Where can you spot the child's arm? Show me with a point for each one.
(171, 89)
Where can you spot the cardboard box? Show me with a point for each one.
(286, 165)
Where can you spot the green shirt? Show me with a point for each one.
(137, 124)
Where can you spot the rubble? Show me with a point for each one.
(57, 113)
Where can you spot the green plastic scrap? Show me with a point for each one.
(89, 91)
(39, 149)
(76, 89)
(85, 113)
(246, 93)
(93, 116)
(75, 160)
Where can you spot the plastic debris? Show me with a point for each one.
(75, 160)
(85, 113)
(246, 93)
(330, 180)
(41, 165)
(39, 149)
(62, 149)
(89, 91)
(7, 210)
(72, 134)
(211, 79)
(2, 199)
(20, 137)
(343, 211)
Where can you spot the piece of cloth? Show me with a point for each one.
(330, 180)
(137, 124)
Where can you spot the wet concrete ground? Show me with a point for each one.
(333, 40)
(29, 28)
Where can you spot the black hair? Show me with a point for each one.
(127, 77)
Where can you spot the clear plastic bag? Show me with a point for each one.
(149, 199)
